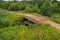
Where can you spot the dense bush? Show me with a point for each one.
(7, 19)
(46, 9)
(5, 23)
(27, 6)
(13, 6)
(3, 19)
(3, 14)
(42, 7)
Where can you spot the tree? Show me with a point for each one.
(46, 9)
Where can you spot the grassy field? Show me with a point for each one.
(42, 32)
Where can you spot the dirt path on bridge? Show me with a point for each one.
(44, 20)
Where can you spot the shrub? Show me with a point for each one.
(5, 23)
(8, 19)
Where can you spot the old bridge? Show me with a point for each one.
(33, 19)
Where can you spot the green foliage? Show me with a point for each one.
(7, 19)
(3, 14)
(5, 23)
(56, 19)
(46, 9)
(16, 6)
(42, 7)
(13, 6)
(3, 19)
(27, 6)
(50, 33)
(42, 32)
(31, 7)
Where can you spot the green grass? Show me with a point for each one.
(57, 20)
(42, 32)
(55, 17)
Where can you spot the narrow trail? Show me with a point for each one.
(43, 20)
(40, 19)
